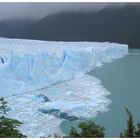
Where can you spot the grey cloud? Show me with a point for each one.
(39, 10)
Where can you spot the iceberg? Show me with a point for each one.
(27, 65)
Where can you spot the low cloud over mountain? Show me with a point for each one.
(112, 23)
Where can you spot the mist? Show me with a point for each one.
(38, 10)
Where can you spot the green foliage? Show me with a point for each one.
(137, 131)
(130, 125)
(89, 129)
(74, 133)
(3, 105)
(131, 130)
(8, 126)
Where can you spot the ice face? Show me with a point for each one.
(31, 64)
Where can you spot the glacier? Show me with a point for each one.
(47, 82)
(32, 64)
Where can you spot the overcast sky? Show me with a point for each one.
(39, 10)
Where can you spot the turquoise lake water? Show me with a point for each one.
(122, 78)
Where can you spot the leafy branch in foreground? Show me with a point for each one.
(89, 129)
(132, 131)
(8, 126)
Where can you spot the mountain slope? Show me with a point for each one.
(114, 24)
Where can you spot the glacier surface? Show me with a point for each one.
(31, 64)
(82, 97)
(46, 83)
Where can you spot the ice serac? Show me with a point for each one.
(32, 64)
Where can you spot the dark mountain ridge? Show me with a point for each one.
(113, 24)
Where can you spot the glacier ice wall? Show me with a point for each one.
(31, 64)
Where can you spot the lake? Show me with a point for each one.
(122, 78)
